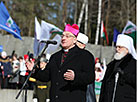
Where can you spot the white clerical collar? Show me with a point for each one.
(66, 50)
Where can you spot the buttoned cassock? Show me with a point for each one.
(78, 60)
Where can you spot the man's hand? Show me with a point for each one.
(9, 76)
(29, 65)
(120, 71)
(69, 75)
(2, 67)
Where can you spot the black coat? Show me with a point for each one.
(126, 85)
(81, 62)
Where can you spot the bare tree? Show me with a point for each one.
(86, 17)
(98, 23)
(76, 11)
(64, 11)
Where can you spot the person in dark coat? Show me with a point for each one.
(70, 70)
(6, 70)
(41, 89)
(119, 83)
(82, 40)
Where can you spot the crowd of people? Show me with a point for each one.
(73, 72)
(13, 71)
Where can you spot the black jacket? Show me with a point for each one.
(126, 85)
(81, 62)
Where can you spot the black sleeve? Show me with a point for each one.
(43, 75)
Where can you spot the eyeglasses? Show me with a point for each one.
(67, 36)
(120, 47)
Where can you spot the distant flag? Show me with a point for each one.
(47, 30)
(44, 32)
(37, 29)
(116, 32)
(104, 33)
(130, 30)
(55, 31)
(7, 23)
(1, 48)
(37, 35)
(50, 32)
(52, 48)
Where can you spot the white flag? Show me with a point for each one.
(52, 48)
(37, 37)
(37, 29)
(46, 33)
(129, 28)
(43, 33)
(46, 29)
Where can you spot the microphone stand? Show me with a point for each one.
(25, 83)
(116, 80)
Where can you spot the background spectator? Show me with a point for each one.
(6, 70)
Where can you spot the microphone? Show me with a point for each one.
(120, 71)
(49, 42)
(116, 77)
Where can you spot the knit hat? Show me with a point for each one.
(82, 38)
(126, 41)
(3, 53)
(74, 29)
(43, 60)
(26, 57)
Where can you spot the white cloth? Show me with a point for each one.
(35, 100)
(126, 41)
(98, 65)
(98, 74)
(22, 68)
(3, 53)
(82, 38)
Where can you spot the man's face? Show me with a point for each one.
(4, 56)
(120, 52)
(43, 64)
(68, 40)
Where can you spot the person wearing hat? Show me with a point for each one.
(41, 89)
(82, 40)
(119, 83)
(6, 70)
(70, 70)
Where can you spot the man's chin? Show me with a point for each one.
(64, 46)
(119, 56)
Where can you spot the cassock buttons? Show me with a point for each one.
(59, 71)
(56, 96)
(57, 83)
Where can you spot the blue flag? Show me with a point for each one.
(7, 23)
(1, 48)
(116, 32)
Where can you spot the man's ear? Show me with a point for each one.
(75, 39)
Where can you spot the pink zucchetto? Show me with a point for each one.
(74, 29)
